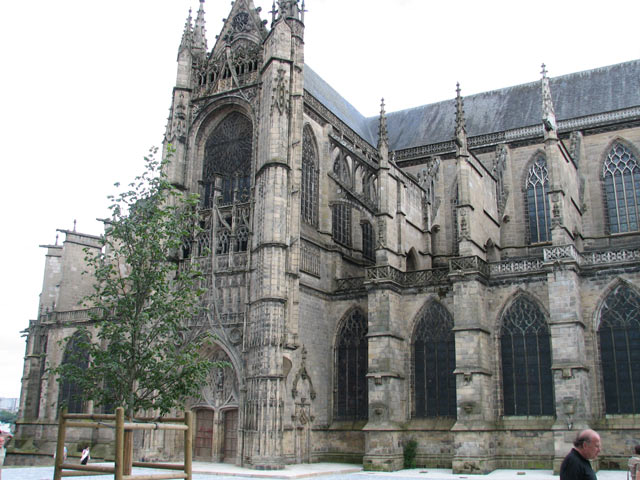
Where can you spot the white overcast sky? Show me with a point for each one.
(86, 86)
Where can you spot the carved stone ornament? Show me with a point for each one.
(280, 97)
(177, 125)
(382, 237)
(240, 22)
(464, 225)
(556, 219)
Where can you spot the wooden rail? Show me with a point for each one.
(80, 420)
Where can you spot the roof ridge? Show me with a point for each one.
(534, 83)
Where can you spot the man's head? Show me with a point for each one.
(587, 444)
(637, 449)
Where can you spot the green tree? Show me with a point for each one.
(142, 355)
(8, 417)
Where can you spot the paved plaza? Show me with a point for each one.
(321, 471)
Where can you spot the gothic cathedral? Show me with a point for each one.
(465, 274)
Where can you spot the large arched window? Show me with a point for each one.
(309, 198)
(526, 360)
(621, 177)
(538, 201)
(619, 336)
(70, 394)
(227, 161)
(434, 355)
(351, 368)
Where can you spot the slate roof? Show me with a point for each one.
(342, 109)
(604, 89)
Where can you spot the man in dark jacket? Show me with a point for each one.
(575, 465)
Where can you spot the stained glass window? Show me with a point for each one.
(619, 336)
(621, 177)
(538, 201)
(351, 401)
(341, 223)
(526, 360)
(227, 157)
(70, 393)
(434, 354)
(309, 198)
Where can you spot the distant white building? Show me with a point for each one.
(10, 404)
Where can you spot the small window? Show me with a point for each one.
(368, 250)
(341, 223)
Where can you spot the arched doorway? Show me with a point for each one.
(217, 412)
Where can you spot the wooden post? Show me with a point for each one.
(188, 444)
(62, 433)
(119, 443)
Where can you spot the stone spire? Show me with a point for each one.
(199, 30)
(548, 112)
(383, 136)
(187, 35)
(461, 128)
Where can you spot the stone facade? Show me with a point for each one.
(451, 274)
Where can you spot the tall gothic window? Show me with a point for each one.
(227, 161)
(341, 223)
(621, 176)
(310, 180)
(434, 355)
(70, 393)
(619, 336)
(538, 201)
(526, 360)
(368, 250)
(455, 201)
(351, 401)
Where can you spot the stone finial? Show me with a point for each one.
(548, 112)
(383, 135)
(461, 128)
(199, 30)
(273, 12)
(289, 9)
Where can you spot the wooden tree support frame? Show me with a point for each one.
(79, 420)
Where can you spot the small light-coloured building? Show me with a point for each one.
(463, 274)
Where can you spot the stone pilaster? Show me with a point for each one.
(387, 399)
(274, 261)
(572, 387)
(474, 431)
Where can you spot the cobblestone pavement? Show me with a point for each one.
(319, 471)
